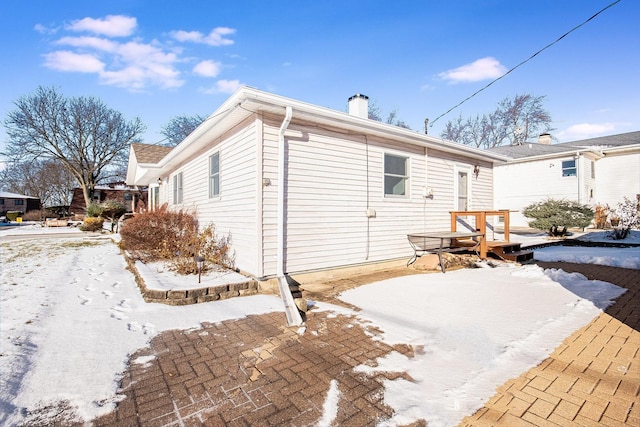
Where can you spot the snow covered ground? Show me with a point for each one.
(70, 314)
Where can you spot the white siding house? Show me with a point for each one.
(300, 187)
(594, 171)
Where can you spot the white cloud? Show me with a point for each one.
(481, 69)
(111, 26)
(145, 64)
(64, 60)
(207, 68)
(223, 86)
(586, 130)
(44, 30)
(132, 63)
(89, 42)
(214, 38)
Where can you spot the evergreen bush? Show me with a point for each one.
(112, 210)
(94, 210)
(552, 215)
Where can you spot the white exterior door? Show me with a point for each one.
(462, 189)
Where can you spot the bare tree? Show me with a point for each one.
(513, 122)
(180, 127)
(375, 113)
(81, 133)
(47, 180)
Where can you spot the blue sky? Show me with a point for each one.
(156, 60)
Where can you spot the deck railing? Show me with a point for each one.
(481, 224)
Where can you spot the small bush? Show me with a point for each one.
(625, 217)
(94, 210)
(112, 210)
(39, 215)
(173, 236)
(601, 215)
(92, 224)
(13, 215)
(553, 214)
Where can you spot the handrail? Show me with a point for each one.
(481, 224)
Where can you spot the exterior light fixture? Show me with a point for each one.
(199, 264)
(476, 171)
(159, 180)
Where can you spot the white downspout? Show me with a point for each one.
(281, 160)
(291, 310)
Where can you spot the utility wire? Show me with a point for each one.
(524, 62)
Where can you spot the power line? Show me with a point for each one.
(525, 61)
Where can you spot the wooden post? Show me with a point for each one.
(506, 226)
(483, 229)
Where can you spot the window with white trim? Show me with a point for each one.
(214, 175)
(569, 168)
(177, 188)
(396, 175)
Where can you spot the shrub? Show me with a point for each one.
(625, 217)
(92, 224)
(112, 210)
(13, 215)
(94, 210)
(39, 215)
(173, 236)
(601, 215)
(552, 215)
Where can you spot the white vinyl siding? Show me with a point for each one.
(233, 212)
(518, 185)
(332, 179)
(618, 175)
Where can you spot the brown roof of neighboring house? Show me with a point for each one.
(148, 153)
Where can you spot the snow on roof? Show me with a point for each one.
(7, 195)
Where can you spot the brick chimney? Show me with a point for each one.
(544, 138)
(359, 106)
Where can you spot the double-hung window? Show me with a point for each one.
(214, 175)
(177, 188)
(569, 168)
(396, 175)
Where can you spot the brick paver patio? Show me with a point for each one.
(592, 379)
(257, 372)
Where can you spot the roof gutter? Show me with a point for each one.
(568, 153)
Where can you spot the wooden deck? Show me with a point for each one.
(504, 249)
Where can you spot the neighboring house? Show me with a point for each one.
(146, 156)
(591, 171)
(299, 187)
(12, 202)
(130, 197)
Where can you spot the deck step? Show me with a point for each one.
(518, 256)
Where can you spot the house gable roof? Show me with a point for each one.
(247, 101)
(600, 144)
(149, 153)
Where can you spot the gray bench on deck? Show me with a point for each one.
(443, 241)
